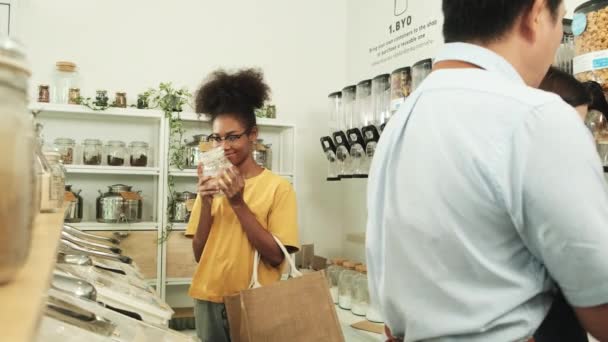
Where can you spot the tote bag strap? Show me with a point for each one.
(293, 271)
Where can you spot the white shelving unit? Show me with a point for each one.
(76, 111)
(113, 170)
(127, 124)
(124, 124)
(96, 226)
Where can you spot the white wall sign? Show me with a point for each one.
(389, 34)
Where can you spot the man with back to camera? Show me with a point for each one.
(484, 192)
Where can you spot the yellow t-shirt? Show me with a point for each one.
(226, 264)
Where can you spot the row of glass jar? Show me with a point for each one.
(116, 152)
(349, 289)
(374, 101)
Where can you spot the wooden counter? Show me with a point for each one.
(23, 298)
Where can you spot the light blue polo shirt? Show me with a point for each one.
(492, 192)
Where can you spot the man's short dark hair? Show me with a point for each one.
(485, 20)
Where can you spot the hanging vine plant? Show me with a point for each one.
(171, 101)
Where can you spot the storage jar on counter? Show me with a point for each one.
(360, 292)
(139, 152)
(57, 180)
(43, 175)
(345, 285)
(17, 168)
(333, 273)
(590, 28)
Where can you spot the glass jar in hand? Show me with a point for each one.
(214, 162)
(139, 153)
(116, 153)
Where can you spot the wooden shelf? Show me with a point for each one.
(23, 299)
(80, 112)
(183, 173)
(178, 281)
(183, 312)
(262, 122)
(179, 226)
(112, 170)
(115, 226)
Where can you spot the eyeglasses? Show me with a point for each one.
(232, 138)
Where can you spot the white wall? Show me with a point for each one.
(369, 26)
(133, 45)
(571, 5)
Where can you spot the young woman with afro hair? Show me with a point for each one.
(256, 204)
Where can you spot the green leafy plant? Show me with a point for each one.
(171, 101)
(89, 103)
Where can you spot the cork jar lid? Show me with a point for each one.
(361, 269)
(349, 265)
(338, 261)
(66, 66)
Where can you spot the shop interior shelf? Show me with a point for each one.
(115, 226)
(262, 122)
(112, 170)
(73, 111)
(193, 173)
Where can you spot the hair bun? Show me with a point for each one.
(241, 92)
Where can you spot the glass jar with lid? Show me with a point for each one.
(57, 181)
(401, 87)
(262, 154)
(92, 151)
(590, 30)
(565, 52)
(333, 272)
(116, 153)
(381, 99)
(364, 111)
(139, 152)
(43, 175)
(65, 77)
(420, 71)
(348, 112)
(345, 285)
(214, 162)
(17, 146)
(66, 147)
(360, 292)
